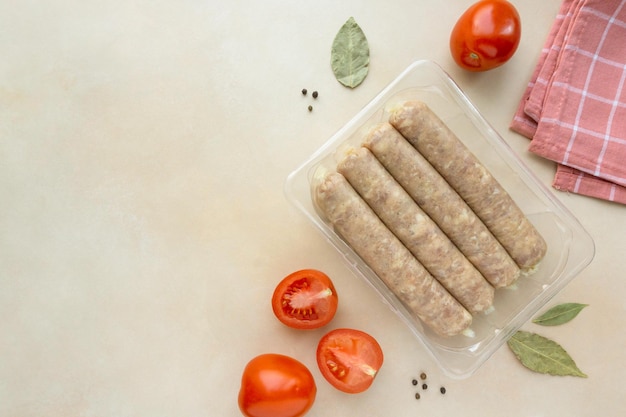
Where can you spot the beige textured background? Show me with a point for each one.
(143, 226)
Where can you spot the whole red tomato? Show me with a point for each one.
(486, 35)
(305, 299)
(274, 385)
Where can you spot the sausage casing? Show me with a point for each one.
(416, 230)
(473, 182)
(437, 199)
(381, 250)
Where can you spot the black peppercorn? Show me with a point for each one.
(304, 91)
(442, 390)
(417, 396)
(424, 386)
(414, 382)
(314, 94)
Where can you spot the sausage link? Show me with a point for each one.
(416, 230)
(437, 199)
(381, 250)
(474, 183)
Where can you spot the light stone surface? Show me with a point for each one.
(143, 150)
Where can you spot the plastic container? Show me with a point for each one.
(570, 248)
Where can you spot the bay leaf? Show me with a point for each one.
(350, 54)
(559, 314)
(543, 355)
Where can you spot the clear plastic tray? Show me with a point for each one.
(570, 248)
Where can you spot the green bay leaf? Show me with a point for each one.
(350, 54)
(559, 314)
(543, 355)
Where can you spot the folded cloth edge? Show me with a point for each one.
(567, 178)
(572, 180)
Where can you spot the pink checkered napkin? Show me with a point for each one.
(574, 108)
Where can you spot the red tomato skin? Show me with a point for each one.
(486, 35)
(274, 385)
(305, 299)
(343, 354)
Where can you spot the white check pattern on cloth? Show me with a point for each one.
(574, 108)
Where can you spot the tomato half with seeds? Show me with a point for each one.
(274, 385)
(486, 35)
(349, 359)
(305, 299)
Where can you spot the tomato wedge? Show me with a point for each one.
(305, 299)
(349, 359)
(274, 385)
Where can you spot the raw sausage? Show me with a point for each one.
(437, 199)
(381, 250)
(388, 257)
(474, 183)
(416, 230)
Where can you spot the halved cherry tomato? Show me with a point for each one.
(486, 35)
(305, 299)
(349, 359)
(276, 385)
